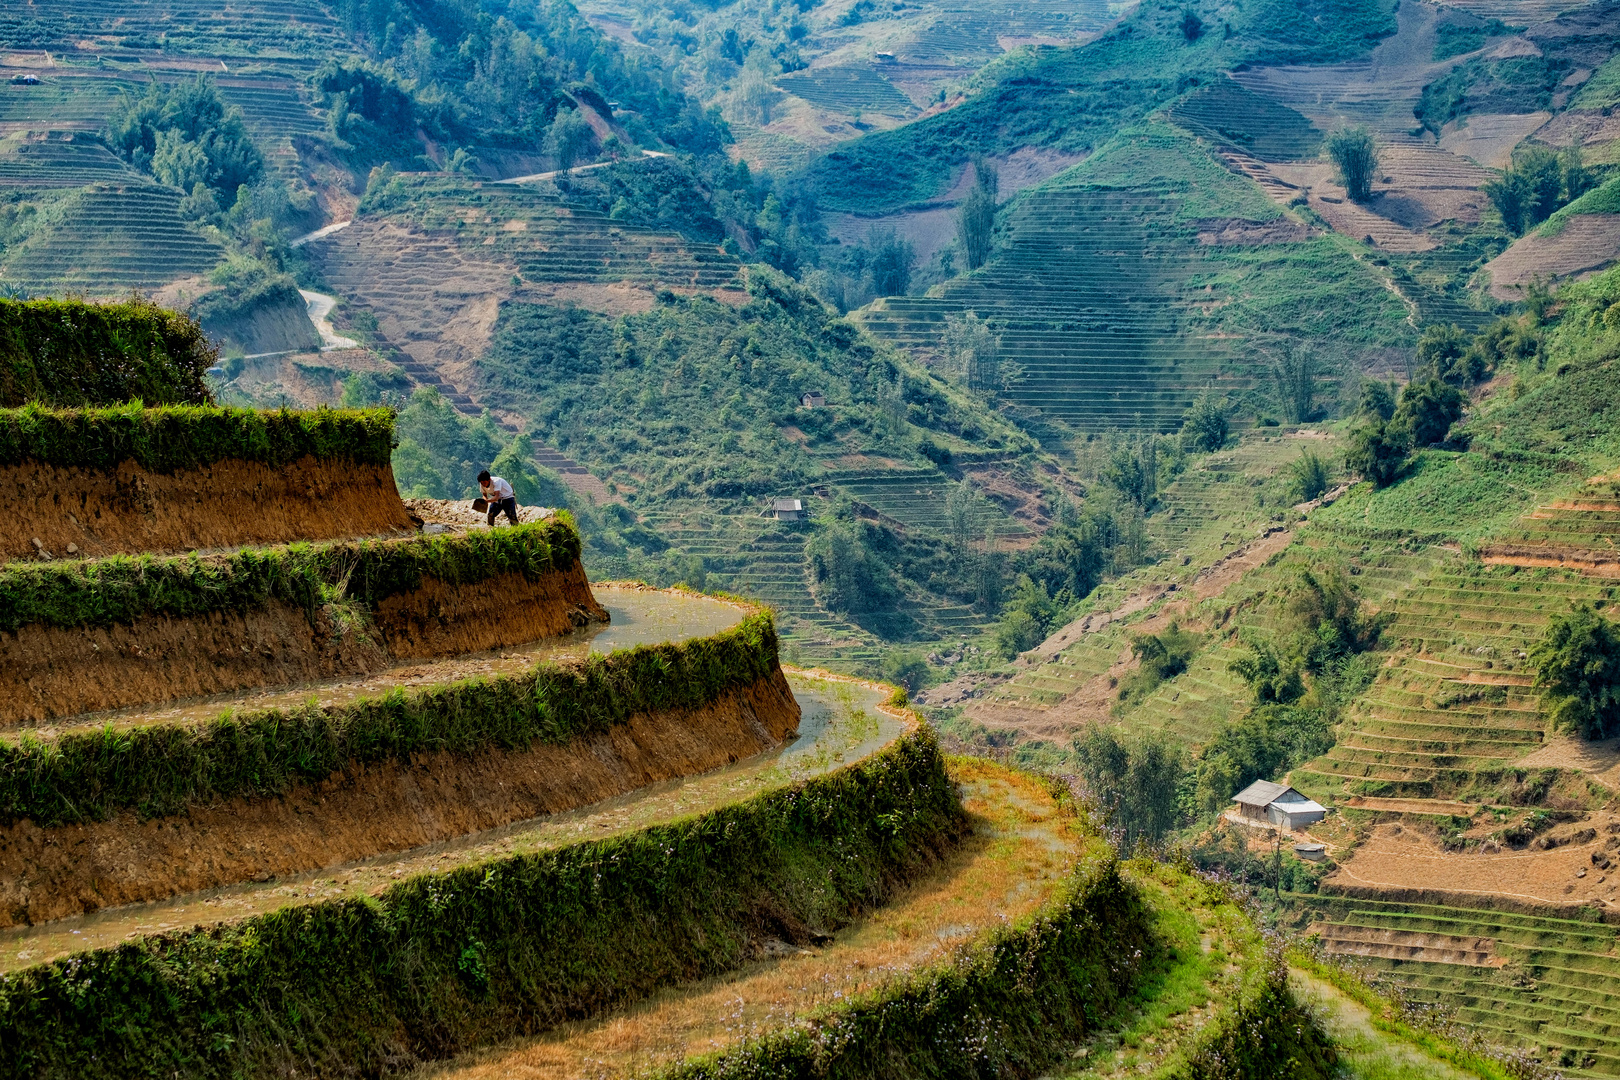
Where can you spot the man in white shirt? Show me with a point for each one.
(498, 493)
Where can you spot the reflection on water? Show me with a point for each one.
(840, 724)
(639, 617)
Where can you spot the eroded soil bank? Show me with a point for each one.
(53, 873)
(47, 673)
(226, 504)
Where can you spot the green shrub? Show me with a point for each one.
(1135, 781)
(1205, 427)
(1427, 411)
(72, 352)
(1162, 656)
(161, 769)
(1265, 1032)
(177, 438)
(1377, 452)
(1577, 661)
(124, 589)
(364, 985)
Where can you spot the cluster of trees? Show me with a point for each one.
(1537, 183)
(1449, 361)
(1355, 159)
(499, 74)
(1577, 664)
(186, 136)
(976, 217)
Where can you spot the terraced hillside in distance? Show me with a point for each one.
(1127, 286)
(106, 241)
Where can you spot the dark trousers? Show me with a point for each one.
(497, 506)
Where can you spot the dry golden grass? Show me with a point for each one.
(1021, 848)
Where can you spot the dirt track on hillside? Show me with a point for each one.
(52, 873)
(48, 672)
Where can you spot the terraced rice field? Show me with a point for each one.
(229, 28)
(1580, 531)
(550, 241)
(1544, 983)
(61, 102)
(110, 240)
(1227, 113)
(764, 560)
(59, 160)
(977, 31)
(1454, 708)
(848, 89)
(1088, 298)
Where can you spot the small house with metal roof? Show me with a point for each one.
(1278, 804)
(787, 509)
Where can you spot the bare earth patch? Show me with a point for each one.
(1396, 857)
(1587, 244)
(1489, 138)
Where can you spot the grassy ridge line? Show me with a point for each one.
(164, 768)
(72, 352)
(1385, 1018)
(175, 438)
(125, 589)
(440, 963)
(1009, 1005)
(1015, 1002)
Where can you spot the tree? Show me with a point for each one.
(1536, 184)
(892, 260)
(185, 135)
(976, 217)
(1273, 679)
(1377, 400)
(1427, 411)
(756, 98)
(973, 352)
(1577, 662)
(1295, 372)
(1205, 426)
(1136, 783)
(568, 139)
(1309, 475)
(1355, 158)
(1192, 27)
(1377, 452)
(1440, 347)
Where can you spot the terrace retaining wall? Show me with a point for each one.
(226, 504)
(48, 672)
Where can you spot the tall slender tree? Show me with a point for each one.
(976, 218)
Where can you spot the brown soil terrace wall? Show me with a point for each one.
(52, 873)
(227, 504)
(1582, 560)
(48, 672)
(1454, 898)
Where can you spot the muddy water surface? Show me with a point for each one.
(640, 616)
(841, 723)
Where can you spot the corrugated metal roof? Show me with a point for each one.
(1260, 793)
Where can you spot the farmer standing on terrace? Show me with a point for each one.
(498, 493)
